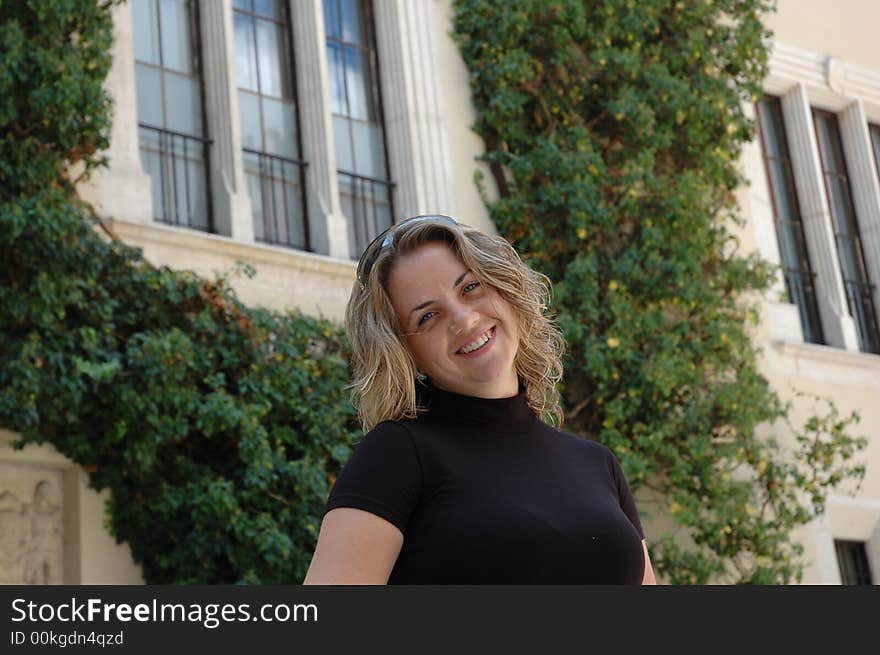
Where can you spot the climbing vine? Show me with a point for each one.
(613, 129)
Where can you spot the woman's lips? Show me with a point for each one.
(483, 348)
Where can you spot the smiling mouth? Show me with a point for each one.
(481, 343)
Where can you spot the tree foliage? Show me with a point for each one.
(613, 130)
(214, 426)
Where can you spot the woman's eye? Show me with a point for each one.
(470, 287)
(425, 318)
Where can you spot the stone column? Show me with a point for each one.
(837, 324)
(865, 187)
(230, 201)
(415, 127)
(122, 191)
(327, 225)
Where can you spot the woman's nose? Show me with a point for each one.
(464, 318)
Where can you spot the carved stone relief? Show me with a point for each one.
(31, 525)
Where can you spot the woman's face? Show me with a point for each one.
(461, 334)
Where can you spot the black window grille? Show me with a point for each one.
(799, 276)
(173, 146)
(274, 170)
(859, 290)
(852, 559)
(365, 186)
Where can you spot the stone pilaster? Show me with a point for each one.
(415, 126)
(865, 187)
(122, 190)
(837, 324)
(327, 226)
(230, 201)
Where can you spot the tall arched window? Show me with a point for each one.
(173, 143)
(859, 290)
(365, 186)
(269, 121)
(796, 267)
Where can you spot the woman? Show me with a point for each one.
(458, 480)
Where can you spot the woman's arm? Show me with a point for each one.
(649, 570)
(354, 547)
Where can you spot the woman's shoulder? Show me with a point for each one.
(583, 444)
(386, 432)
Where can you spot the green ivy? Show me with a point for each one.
(217, 428)
(613, 130)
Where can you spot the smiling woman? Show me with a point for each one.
(458, 479)
(463, 337)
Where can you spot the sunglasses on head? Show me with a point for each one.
(386, 239)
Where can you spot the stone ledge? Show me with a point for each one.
(824, 363)
(845, 358)
(315, 284)
(179, 237)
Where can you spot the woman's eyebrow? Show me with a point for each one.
(428, 302)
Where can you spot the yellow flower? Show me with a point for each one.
(582, 233)
(612, 286)
(613, 342)
(675, 508)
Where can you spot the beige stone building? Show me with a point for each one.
(285, 133)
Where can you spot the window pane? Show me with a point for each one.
(344, 158)
(292, 194)
(253, 179)
(189, 179)
(149, 95)
(875, 140)
(852, 558)
(145, 22)
(276, 77)
(267, 58)
(268, 8)
(336, 74)
(278, 120)
(837, 193)
(176, 46)
(249, 112)
(368, 155)
(184, 104)
(352, 22)
(780, 188)
(332, 19)
(359, 84)
(247, 5)
(837, 162)
(152, 162)
(245, 55)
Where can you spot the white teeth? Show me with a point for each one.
(476, 344)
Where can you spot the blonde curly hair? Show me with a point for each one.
(383, 384)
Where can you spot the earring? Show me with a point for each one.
(421, 377)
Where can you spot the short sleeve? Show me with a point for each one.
(625, 496)
(383, 476)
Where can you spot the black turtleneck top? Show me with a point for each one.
(486, 493)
